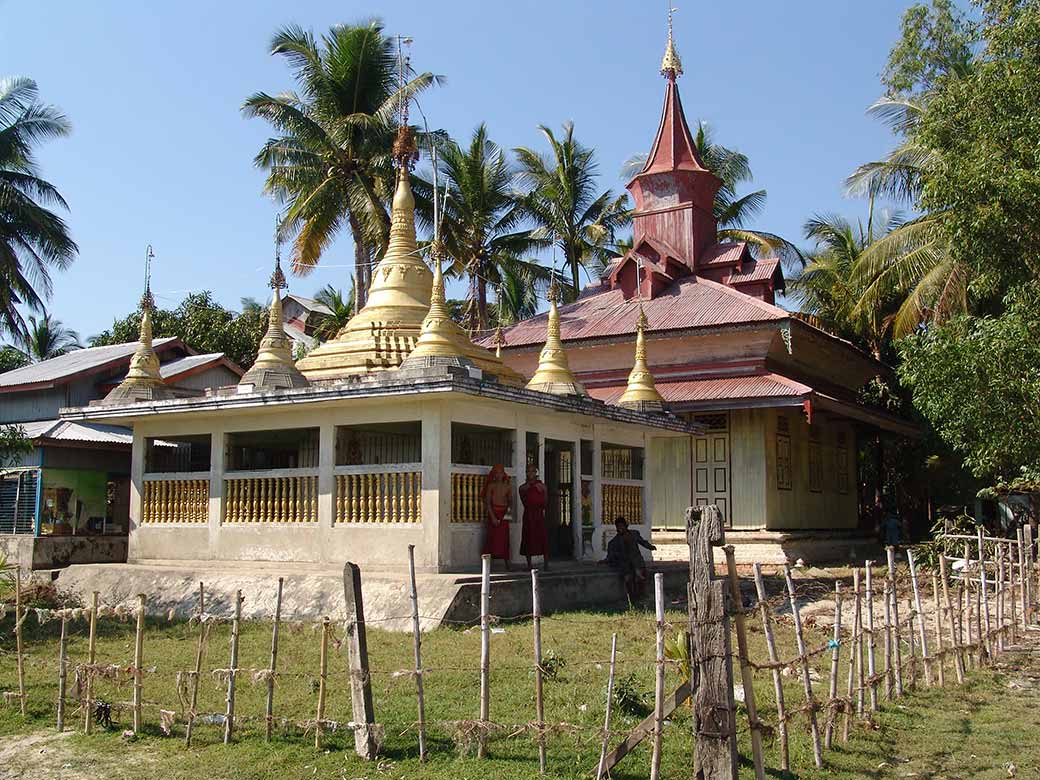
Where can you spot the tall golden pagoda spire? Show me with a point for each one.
(641, 393)
(554, 372)
(671, 65)
(143, 381)
(274, 368)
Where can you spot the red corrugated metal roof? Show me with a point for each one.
(755, 271)
(690, 302)
(722, 254)
(716, 389)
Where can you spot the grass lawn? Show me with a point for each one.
(960, 732)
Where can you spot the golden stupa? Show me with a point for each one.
(383, 333)
(641, 393)
(444, 342)
(274, 368)
(554, 372)
(143, 381)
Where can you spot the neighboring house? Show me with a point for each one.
(68, 500)
(300, 317)
(777, 395)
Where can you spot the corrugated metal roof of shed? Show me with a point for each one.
(715, 389)
(71, 363)
(62, 430)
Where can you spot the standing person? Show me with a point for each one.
(534, 539)
(498, 497)
(623, 555)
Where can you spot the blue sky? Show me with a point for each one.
(160, 153)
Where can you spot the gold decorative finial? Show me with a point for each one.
(143, 382)
(274, 368)
(671, 65)
(554, 372)
(641, 393)
(499, 341)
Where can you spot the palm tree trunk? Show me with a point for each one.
(362, 264)
(482, 303)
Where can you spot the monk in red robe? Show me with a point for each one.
(534, 538)
(497, 496)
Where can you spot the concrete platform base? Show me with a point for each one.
(776, 548)
(53, 552)
(311, 591)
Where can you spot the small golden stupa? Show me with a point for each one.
(383, 333)
(671, 65)
(554, 372)
(641, 393)
(274, 368)
(143, 381)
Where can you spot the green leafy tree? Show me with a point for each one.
(331, 160)
(201, 323)
(33, 238)
(977, 380)
(342, 309)
(48, 338)
(12, 358)
(938, 40)
(14, 445)
(563, 202)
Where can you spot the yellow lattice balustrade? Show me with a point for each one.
(175, 501)
(623, 500)
(466, 504)
(380, 497)
(286, 499)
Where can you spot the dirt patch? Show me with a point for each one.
(45, 755)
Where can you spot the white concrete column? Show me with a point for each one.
(436, 485)
(326, 483)
(597, 493)
(577, 530)
(136, 489)
(216, 487)
(647, 504)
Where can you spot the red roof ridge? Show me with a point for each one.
(756, 302)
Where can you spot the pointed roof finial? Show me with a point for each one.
(671, 65)
(553, 374)
(641, 393)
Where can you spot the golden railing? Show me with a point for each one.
(175, 501)
(379, 497)
(276, 499)
(624, 499)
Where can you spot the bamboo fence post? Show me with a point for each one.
(1000, 598)
(323, 677)
(485, 652)
(746, 678)
(984, 632)
(1023, 578)
(1027, 538)
(871, 644)
(956, 639)
(63, 674)
(937, 626)
(912, 642)
(19, 647)
(138, 661)
(417, 651)
(925, 659)
(979, 630)
(850, 687)
(860, 656)
(88, 705)
(887, 613)
(269, 705)
(828, 734)
(198, 667)
(229, 715)
(966, 615)
(810, 702)
(610, 702)
(897, 638)
(655, 757)
(1013, 584)
(774, 660)
(539, 704)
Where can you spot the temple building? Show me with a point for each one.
(381, 437)
(777, 396)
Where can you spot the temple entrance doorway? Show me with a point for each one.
(559, 514)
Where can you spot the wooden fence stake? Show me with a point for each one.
(138, 662)
(417, 651)
(19, 648)
(236, 625)
(810, 701)
(1023, 578)
(88, 701)
(857, 623)
(63, 674)
(323, 679)
(746, 678)
(871, 643)
(1013, 584)
(485, 653)
(203, 630)
(828, 734)
(655, 755)
(956, 638)
(1027, 538)
(918, 608)
(1000, 598)
(984, 587)
(887, 613)
(610, 703)
(897, 638)
(367, 735)
(937, 626)
(269, 706)
(539, 704)
(774, 659)
(861, 677)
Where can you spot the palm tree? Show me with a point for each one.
(33, 239)
(482, 215)
(733, 212)
(562, 202)
(331, 162)
(341, 310)
(47, 338)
